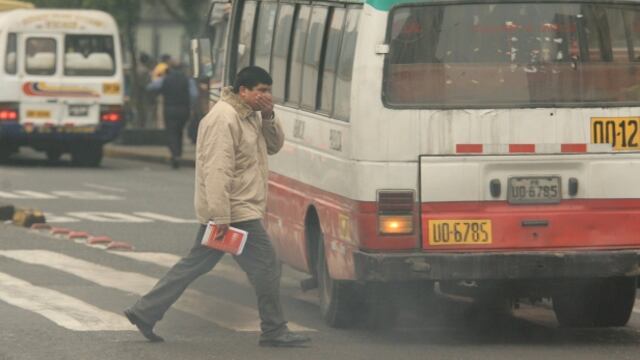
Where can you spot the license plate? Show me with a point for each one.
(623, 133)
(39, 114)
(460, 232)
(78, 110)
(534, 190)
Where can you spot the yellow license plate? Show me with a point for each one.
(77, 129)
(111, 88)
(623, 133)
(460, 232)
(39, 114)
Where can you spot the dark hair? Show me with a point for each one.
(251, 76)
(165, 58)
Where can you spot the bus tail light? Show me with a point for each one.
(111, 114)
(396, 212)
(9, 112)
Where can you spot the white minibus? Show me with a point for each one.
(61, 76)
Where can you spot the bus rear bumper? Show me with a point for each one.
(496, 265)
(101, 133)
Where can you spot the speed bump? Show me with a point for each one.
(28, 217)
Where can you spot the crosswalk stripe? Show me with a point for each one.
(165, 218)
(224, 313)
(224, 271)
(64, 310)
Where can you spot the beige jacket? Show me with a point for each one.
(231, 161)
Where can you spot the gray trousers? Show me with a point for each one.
(258, 260)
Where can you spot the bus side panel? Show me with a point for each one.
(288, 203)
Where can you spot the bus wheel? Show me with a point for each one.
(336, 297)
(602, 303)
(381, 310)
(617, 296)
(5, 152)
(87, 155)
(53, 155)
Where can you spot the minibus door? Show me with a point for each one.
(40, 95)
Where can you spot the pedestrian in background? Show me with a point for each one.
(231, 189)
(178, 94)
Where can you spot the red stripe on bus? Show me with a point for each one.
(573, 148)
(469, 148)
(522, 148)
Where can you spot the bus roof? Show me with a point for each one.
(57, 20)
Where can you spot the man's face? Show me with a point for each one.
(251, 96)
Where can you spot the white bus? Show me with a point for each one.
(488, 147)
(61, 75)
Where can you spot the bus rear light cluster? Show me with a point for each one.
(8, 112)
(396, 212)
(395, 224)
(111, 114)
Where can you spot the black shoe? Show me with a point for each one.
(287, 339)
(144, 328)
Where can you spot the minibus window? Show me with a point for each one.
(11, 55)
(281, 50)
(41, 56)
(345, 66)
(513, 54)
(89, 55)
(245, 43)
(297, 53)
(264, 34)
(331, 60)
(312, 56)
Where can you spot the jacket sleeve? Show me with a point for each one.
(273, 134)
(219, 165)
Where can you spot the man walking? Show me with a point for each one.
(231, 189)
(178, 95)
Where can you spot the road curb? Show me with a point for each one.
(135, 155)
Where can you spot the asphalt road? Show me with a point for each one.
(61, 299)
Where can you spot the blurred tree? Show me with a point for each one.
(190, 13)
(127, 15)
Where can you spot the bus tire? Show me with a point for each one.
(576, 304)
(87, 155)
(602, 303)
(336, 297)
(616, 304)
(5, 152)
(53, 155)
(381, 310)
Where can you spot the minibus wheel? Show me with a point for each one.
(53, 155)
(87, 155)
(602, 303)
(336, 297)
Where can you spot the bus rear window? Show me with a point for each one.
(89, 55)
(41, 56)
(513, 55)
(11, 55)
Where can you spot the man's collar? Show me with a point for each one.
(233, 99)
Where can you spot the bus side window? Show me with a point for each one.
(218, 27)
(264, 34)
(245, 43)
(41, 56)
(331, 60)
(281, 48)
(312, 52)
(297, 53)
(11, 55)
(342, 94)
